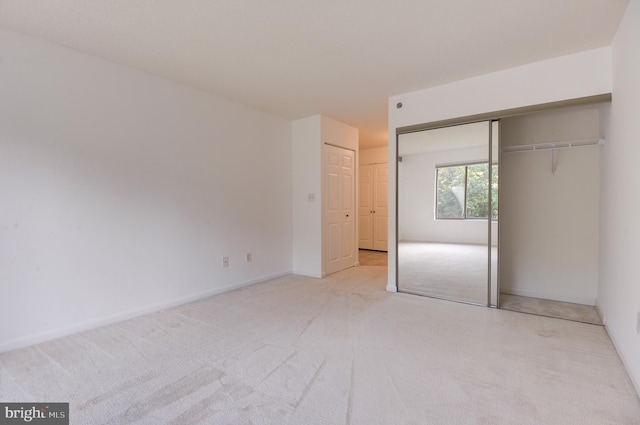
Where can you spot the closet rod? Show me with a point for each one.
(553, 145)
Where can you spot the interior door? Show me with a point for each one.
(380, 206)
(365, 207)
(339, 207)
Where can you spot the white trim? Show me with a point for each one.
(625, 361)
(16, 343)
(601, 315)
(549, 296)
(374, 163)
(309, 273)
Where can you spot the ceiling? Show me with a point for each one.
(339, 58)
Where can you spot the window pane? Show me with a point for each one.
(494, 192)
(450, 192)
(478, 191)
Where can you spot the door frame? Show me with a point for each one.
(361, 168)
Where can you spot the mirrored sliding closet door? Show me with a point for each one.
(448, 211)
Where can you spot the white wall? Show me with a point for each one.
(374, 155)
(308, 136)
(549, 223)
(416, 199)
(339, 134)
(619, 287)
(307, 179)
(567, 77)
(121, 192)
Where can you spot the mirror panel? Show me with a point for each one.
(445, 236)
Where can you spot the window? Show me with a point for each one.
(462, 191)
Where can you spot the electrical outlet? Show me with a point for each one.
(638, 323)
(225, 261)
(249, 257)
(311, 197)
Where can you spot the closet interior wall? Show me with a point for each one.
(549, 221)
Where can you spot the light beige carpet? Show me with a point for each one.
(451, 271)
(340, 350)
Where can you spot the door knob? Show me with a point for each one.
(347, 215)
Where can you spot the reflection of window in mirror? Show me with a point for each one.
(462, 191)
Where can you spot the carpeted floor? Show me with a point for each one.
(339, 350)
(459, 272)
(451, 271)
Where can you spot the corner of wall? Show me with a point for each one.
(307, 195)
(618, 289)
(131, 196)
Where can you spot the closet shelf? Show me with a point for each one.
(553, 145)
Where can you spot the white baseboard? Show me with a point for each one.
(601, 315)
(549, 296)
(16, 343)
(308, 273)
(625, 362)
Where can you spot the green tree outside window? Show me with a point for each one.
(462, 191)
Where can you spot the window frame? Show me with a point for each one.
(466, 165)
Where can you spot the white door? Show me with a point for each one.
(380, 206)
(365, 206)
(339, 207)
(373, 207)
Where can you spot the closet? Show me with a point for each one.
(548, 227)
(373, 206)
(549, 210)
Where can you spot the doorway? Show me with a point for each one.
(550, 212)
(373, 206)
(339, 208)
(549, 226)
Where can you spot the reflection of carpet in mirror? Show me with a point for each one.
(454, 271)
